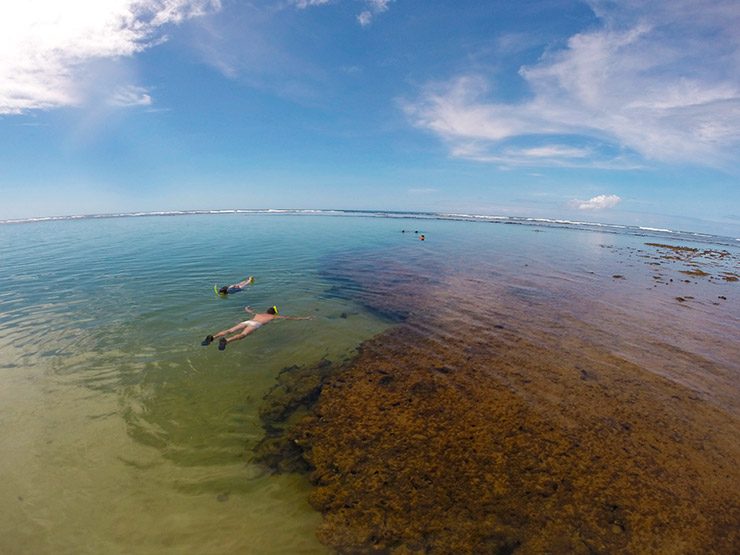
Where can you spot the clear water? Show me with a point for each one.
(119, 433)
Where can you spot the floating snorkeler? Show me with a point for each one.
(243, 329)
(235, 288)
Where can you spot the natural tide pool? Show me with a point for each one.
(119, 433)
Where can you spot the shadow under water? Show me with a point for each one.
(496, 419)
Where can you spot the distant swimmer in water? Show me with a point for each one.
(235, 288)
(243, 329)
(421, 237)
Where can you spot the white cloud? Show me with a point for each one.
(550, 151)
(303, 4)
(365, 18)
(379, 5)
(46, 45)
(374, 7)
(541, 156)
(130, 96)
(660, 79)
(599, 202)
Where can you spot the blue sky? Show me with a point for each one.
(623, 112)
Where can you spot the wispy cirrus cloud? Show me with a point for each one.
(303, 4)
(130, 95)
(374, 7)
(250, 45)
(544, 154)
(657, 81)
(46, 46)
(364, 18)
(599, 202)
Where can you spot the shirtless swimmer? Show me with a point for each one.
(243, 329)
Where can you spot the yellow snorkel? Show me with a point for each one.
(275, 309)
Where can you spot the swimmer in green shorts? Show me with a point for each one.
(243, 329)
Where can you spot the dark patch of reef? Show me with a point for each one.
(417, 448)
(296, 391)
(513, 431)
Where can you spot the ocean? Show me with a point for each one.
(514, 383)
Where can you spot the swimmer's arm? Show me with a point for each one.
(295, 317)
(248, 309)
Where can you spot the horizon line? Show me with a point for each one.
(424, 214)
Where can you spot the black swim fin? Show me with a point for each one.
(222, 344)
(207, 341)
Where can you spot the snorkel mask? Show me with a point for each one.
(276, 310)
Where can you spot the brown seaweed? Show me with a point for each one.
(510, 431)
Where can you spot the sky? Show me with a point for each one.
(604, 111)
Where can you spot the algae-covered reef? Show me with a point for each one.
(697, 259)
(513, 431)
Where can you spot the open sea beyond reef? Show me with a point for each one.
(545, 386)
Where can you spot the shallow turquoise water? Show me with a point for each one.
(120, 433)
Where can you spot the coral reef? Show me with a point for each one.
(436, 448)
(490, 422)
(296, 391)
